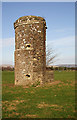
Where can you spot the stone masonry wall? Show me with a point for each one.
(30, 55)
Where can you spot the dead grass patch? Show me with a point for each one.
(68, 84)
(25, 86)
(54, 82)
(11, 108)
(57, 109)
(11, 105)
(32, 92)
(13, 114)
(19, 101)
(31, 116)
(9, 85)
(43, 104)
(13, 102)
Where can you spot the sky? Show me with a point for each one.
(60, 33)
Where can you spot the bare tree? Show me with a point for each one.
(50, 56)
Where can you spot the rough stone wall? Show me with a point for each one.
(30, 55)
(49, 76)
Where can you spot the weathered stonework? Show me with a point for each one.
(30, 55)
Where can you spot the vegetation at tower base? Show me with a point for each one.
(30, 50)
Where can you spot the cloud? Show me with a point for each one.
(66, 60)
(65, 42)
(7, 42)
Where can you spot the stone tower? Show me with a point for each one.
(30, 54)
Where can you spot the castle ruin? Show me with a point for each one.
(30, 54)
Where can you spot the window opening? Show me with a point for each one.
(28, 75)
(28, 45)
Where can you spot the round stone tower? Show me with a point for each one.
(30, 54)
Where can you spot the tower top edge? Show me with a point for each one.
(28, 19)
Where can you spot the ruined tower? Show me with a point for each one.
(30, 54)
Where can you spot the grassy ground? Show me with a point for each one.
(54, 100)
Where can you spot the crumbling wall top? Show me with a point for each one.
(28, 20)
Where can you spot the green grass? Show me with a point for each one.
(55, 100)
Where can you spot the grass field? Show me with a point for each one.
(54, 100)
